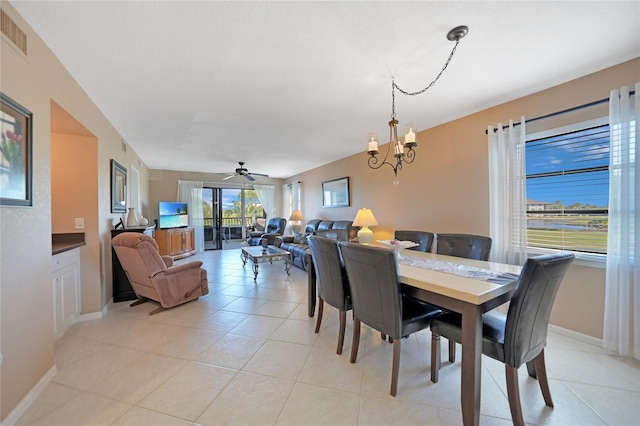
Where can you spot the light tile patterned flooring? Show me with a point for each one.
(247, 354)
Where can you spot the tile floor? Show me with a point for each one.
(247, 354)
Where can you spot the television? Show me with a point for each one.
(173, 215)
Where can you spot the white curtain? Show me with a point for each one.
(266, 194)
(191, 193)
(291, 200)
(508, 193)
(622, 293)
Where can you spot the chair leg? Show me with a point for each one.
(452, 351)
(320, 311)
(139, 302)
(395, 369)
(435, 357)
(541, 370)
(513, 391)
(157, 310)
(356, 340)
(531, 369)
(343, 325)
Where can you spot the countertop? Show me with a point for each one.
(64, 242)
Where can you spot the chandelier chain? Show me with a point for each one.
(395, 86)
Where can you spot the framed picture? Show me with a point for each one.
(16, 178)
(118, 188)
(335, 193)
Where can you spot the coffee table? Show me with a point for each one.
(258, 255)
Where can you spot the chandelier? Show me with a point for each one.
(403, 148)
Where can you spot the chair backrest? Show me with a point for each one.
(375, 290)
(312, 225)
(464, 245)
(276, 225)
(347, 226)
(424, 239)
(333, 286)
(139, 257)
(530, 307)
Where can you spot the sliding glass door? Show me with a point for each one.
(229, 213)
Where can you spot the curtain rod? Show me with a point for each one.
(564, 111)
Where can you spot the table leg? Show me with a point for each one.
(243, 256)
(287, 264)
(311, 286)
(255, 270)
(471, 363)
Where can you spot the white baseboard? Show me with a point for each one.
(575, 335)
(29, 398)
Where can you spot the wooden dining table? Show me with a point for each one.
(471, 297)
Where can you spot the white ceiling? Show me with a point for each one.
(289, 86)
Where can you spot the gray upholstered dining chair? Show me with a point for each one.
(331, 281)
(470, 246)
(378, 301)
(518, 337)
(422, 238)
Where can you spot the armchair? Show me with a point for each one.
(275, 227)
(155, 278)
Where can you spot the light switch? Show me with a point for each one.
(79, 222)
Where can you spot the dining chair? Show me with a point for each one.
(378, 301)
(331, 281)
(519, 336)
(469, 246)
(422, 238)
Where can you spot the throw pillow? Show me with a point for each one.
(300, 238)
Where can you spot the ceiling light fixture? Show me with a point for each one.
(409, 140)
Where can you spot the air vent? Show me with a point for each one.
(13, 32)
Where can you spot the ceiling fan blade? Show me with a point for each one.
(259, 174)
(249, 177)
(228, 177)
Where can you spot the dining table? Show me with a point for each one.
(469, 287)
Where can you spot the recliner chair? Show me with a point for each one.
(275, 227)
(153, 277)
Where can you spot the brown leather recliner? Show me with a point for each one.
(153, 277)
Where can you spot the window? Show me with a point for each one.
(568, 188)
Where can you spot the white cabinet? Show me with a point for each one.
(66, 291)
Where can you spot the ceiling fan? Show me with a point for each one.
(241, 171)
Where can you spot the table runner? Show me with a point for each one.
(460, 270)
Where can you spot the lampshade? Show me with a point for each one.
(296, 215)
(365, 217)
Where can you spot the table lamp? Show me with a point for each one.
(295, 218)
(365, 219)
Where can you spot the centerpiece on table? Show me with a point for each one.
(397, 245)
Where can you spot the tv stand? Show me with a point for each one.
(176, 242)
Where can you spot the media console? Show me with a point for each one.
(176, 242)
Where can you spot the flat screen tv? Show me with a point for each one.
(173, 215)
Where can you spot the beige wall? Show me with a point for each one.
(26, 306)
(163, 186)
(446, 188)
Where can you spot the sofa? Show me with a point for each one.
(341, 230)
